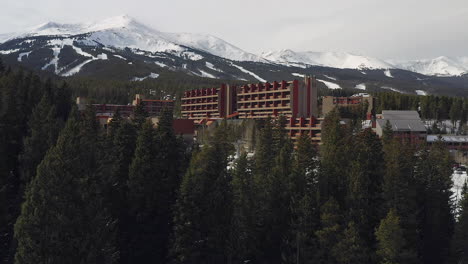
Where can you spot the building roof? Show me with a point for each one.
(448, 138)
(403, 125)
(400, 115)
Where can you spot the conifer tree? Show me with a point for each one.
(143, 198)
(460, 239)
(44, 128)
(62, 219)
(332, 177)
(139, 115)
(436, 220)
(400, 192)
(115, 156)
(330, 230)
(243, 228)
(364, 198)
(202, 218)
(391, 242)
(351, 248)
(303, 206)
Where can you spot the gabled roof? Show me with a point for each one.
(400, 115)
(402, 121)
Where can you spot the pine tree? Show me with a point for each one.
(364, 198)
(303, 203)
(243, 228)
(391, 241)
(143, 199)
(44, 128)
(332, 177)
(329, 233)
(436, 220)
(460, 239)
(115, 156)
(139, 115)
(400, 191)
(62, 220)
(202, 218)
(351, 248)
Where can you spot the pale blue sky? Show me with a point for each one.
(398, 29)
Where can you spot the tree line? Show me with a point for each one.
(72, 192)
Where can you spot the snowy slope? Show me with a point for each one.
(340, 60)
(213, 45)
(124, 31)
(440, 66)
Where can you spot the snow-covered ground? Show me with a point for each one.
(421, 92)
(361, 86)
(152, 76)
(330, 85)
(211, 66)
(341, 60)
(388, 73)
(248, 72)
(331, 78)
(391, 89)
(298, 75)
(440, 66)
(459, 179)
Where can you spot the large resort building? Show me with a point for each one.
(295, 100)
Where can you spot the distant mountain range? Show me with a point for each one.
(123, 48)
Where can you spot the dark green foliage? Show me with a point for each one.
(460, 239)
(44, 128)
(332, 178)
(351, 248)
(61, 220)
(243, 228)
(139, 115)
(203, 211)
(364, 198)
(115, 155)
(391, 242)
(304, 211)
(328, 234)
(436, 218)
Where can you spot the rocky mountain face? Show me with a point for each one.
(122, 48)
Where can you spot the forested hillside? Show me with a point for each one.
(71, 192)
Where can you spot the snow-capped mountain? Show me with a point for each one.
(440, 66)
(126, 32)
(125, 49)
(340, 60)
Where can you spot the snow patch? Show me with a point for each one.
(152, 76)
(102, 56)
(9, 51)
(298, 75)
(160, 64)
(391, 89)
(421, 92)
(331, 78)
(248, 72)
(77, 68)
(120, 57)
(206, 74)
(54, 60)
(361, 86)
(330, 85)
(210, 65)
(459, 179)
(21, 55)
(388, 73)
